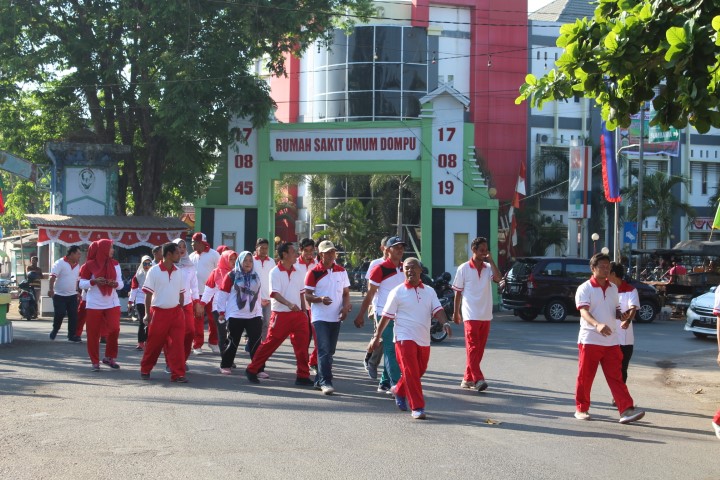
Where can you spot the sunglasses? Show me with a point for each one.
(147, 263)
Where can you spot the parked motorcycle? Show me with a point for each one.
(27, 297)
(446, 295)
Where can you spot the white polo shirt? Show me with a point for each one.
(330, 283)
(386, 276)
(226, 301)
(412, 309)
(94, 299)
(165, 286)
(189, 274)
(475, 285)
(372, 265)
(204, 264)
(304, 268)
(263, 268)
(602, 304)
(628, 298)
(66, 277)
(288, 283)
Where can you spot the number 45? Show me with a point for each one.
(244, 188)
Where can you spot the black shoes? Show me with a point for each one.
(304, 382)
(252, 376)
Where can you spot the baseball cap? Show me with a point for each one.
(199, 237)
(392, 241)
(326, 246)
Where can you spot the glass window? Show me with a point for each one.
(578, 270)
(387, 77)
(411, 104)
(387, 44)
(336, 79)
(360, 45)
(387, 104)
(415, 45)
(553, 269)
(360, 104)
(337, 51)
(360, 76)
(336, 105)
(415, 77)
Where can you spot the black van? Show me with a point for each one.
(547, 285)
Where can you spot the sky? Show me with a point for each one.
(536, 4)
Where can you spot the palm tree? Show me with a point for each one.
(659, 199)
(538, 235)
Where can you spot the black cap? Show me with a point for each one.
(392, 241)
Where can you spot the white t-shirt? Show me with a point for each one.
(66, 277)
(226, 301)
(136, 293)
(386, 276)
(95, 300)
(288, 283)
(602, 304)
(628, 298)
(190, 278)
(477, 293)
(330, 283)
(263, 268)
(204, 264)
(164, 285)
(412, 309)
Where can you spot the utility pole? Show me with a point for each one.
(641, 175)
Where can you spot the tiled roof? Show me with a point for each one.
(104, 221)
(564, 11)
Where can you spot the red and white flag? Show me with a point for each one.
(519, 187)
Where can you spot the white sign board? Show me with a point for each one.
(447, 153)
(242, 164)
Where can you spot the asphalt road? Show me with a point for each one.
(59, 420)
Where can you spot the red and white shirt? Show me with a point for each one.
(263, 267)
(386, 276)
(66, 277)
(304, 268)
(288, 283)
(628, 298)
(327, 282)
(205, 263)
(602, 303)
(136, 294)
(372, 265)
(164, 285)
(95, 300)
(412, 308)
(475, 285)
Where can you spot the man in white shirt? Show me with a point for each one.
(288, 318)
(263, 265)
(373, 359)
(411, 305)
(473, 306)
(63, 290)
(205, 260)
(164, 289)
(598, 301)
(327, 290)
(629, 304)
(307, 260)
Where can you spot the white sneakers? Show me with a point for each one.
(631, 415)
(582, 415)
(467, 384)
(717, 429)
(327, 389)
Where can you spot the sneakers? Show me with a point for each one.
(716, 427)
(144, 376)
(110, 362)
(53, 334)
(418, 414)
(372, 371)
(582, 415)
(382, 388)
(226, 371)
(481, 385)
(179, 380)
(75, 339)
(140, 346)
(313, 369)
(327, 389)
(304, 382)
(214, 348)
(469, 384)
(631, 415)
(252, 376)
(263, 375)
(197, 351)
(401, 402)
(95, 367)
(167, 369)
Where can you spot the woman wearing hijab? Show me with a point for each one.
(101, 277)
(187, 267)
(137, 297)
(213, 284)
(238, 301)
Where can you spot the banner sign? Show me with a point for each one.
(580, 183)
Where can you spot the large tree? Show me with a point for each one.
(630, 48)
(161, 76)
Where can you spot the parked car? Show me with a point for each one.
(547, 285)
(700, 319)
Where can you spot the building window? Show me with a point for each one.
(704, 175)
(460, 248)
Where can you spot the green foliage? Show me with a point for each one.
(348, 227)
(161, 76)
(631, 47)
(537, 235)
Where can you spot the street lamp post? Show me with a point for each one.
(595, 237)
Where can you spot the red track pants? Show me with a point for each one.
(102, 322)
(82, 309)
(199, 335)
(610, 359)
(476, 336)
(413, 360)
(282, 325)
(167, 329)
(313, 356)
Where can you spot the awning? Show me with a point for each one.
(127, 232)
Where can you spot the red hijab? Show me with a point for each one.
(224, 267)
(100, 265)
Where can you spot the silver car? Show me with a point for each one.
(700, 319)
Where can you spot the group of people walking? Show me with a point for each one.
(305, 296)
